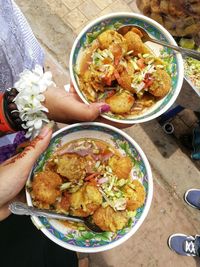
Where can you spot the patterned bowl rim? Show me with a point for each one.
(41, 227)
(170, 39)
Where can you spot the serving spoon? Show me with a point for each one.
(185, 52)
(20, 208)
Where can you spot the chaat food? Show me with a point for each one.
(89, 177)
(122, 71)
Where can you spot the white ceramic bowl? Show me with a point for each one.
(88, 241)
(154, 29)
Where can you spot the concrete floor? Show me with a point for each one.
(56, 24)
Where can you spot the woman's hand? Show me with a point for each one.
(14, 172)
(68, 107)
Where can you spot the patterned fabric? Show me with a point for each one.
(19, 48)
(9, 150)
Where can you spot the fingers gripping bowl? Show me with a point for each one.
(96, 170)
(139, 81)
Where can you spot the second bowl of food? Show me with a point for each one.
(95, 171)
(139, 81)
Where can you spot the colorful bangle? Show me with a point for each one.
(4, 124)
(9, 121)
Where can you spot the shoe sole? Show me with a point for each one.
(185, 196)
(168, 242)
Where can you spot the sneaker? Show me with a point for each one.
(185, 245)
(192, 198)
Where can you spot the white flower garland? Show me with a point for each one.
(31, 86)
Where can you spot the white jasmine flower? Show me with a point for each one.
(31, 86)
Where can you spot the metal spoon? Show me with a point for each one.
(185, 52)
(20, 208)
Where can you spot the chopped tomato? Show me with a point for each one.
(91, 176)
(117, 60)
(148, 80)
(110, 93)
(147, 76)
(107, 80)
(141, 63)
(117, 53)
(107, 61)
(117, 76)
(148, 83)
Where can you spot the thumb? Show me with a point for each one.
(38, 145)
(15, 171)
(30, 154)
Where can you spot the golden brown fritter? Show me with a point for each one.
(64, 204)
(71, 166)
(121, 102)
(135, 43)
(45, 187)
(111, 37)
(135, 195)
(121, 166)
(85, 201)
(126, 80)
(109, 220)
(161, 83)
(50, 165)
(126, 76)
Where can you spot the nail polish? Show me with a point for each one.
(45, 130)
(104, 108)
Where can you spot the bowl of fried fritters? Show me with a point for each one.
(139, 81)
(95, 171)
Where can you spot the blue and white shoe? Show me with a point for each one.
(192, 198)
(185, 245)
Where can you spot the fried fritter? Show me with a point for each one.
(121, 166)
(111, 37)
(45, 187)
(125, 81)
(125, 77)
(135, 43)
(121, 102)
(64, 204)
(109, 220)
(71, 166)
(135, 195)
(85, 201)
(161, 83)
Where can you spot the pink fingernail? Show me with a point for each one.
(104, 108)
(45, 130)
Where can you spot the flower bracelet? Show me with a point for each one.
(25, 110)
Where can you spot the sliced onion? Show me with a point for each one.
(103, 180)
